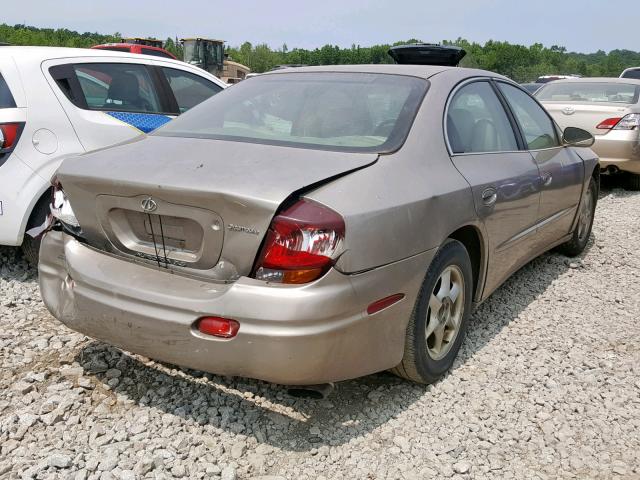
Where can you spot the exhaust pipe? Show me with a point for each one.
(313, 392)
(612, 169)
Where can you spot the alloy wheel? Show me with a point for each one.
(586, 212)
(445, 312)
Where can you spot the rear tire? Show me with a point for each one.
(586, 214)
(427, 356)
(632, 182)
(30, 245)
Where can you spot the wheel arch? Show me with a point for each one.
(595, 174)
(473, 240)
(44, 194)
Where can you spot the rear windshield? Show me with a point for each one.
(155, 53)
(635, 73)
(600, 92)
(333, 111)
(116, 49)
(6, 99)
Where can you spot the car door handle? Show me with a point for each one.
(489, 196)
(546, 178)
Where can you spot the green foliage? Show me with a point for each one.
(518, 62)
(61, 37)
(174, 46)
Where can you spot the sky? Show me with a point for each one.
(579, 25)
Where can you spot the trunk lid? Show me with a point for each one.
(193, 206)
(586, 116)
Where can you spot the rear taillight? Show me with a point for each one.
(609, 123)
(9, 136)
(628, 122)
(301, 245)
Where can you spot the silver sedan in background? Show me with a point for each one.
(609, 108)
(317, 224)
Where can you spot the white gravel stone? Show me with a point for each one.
(546, 386)
(59, 461)
(461, 467)
(228, 473)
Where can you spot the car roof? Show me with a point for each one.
(40, 54)
(421, 71)
(631, 81)
(26, 55)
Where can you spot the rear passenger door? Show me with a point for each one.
(110, 102)
(487, 150)
(561, 169)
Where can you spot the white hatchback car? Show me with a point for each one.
(56, 102)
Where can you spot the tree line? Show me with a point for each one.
(519, 62)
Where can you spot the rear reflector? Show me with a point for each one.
(384, 303)
(609, 123)
(218, 327)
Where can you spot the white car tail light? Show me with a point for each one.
(9, 136)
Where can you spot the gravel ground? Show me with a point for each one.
(547, 386)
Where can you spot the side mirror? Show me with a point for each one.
(577, 137)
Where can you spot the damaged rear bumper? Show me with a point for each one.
(296, 335)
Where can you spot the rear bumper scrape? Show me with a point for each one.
(292, 335)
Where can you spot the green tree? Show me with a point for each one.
(519, 62)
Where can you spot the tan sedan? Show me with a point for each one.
(317, 224)
(609, 108)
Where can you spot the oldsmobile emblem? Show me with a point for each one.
(239, 228)
(149, 205)
(568, 110)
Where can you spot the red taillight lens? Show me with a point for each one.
(218, 327)
(302, 243)
(9, 134)
(609, 123)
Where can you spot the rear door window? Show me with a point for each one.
(189, 89)
(477, 122)
(6, 99)
(537, 127)
(120, 87)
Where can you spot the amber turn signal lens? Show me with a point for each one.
(301, 276)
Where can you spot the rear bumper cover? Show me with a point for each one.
(293, 335)
(619, 148)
